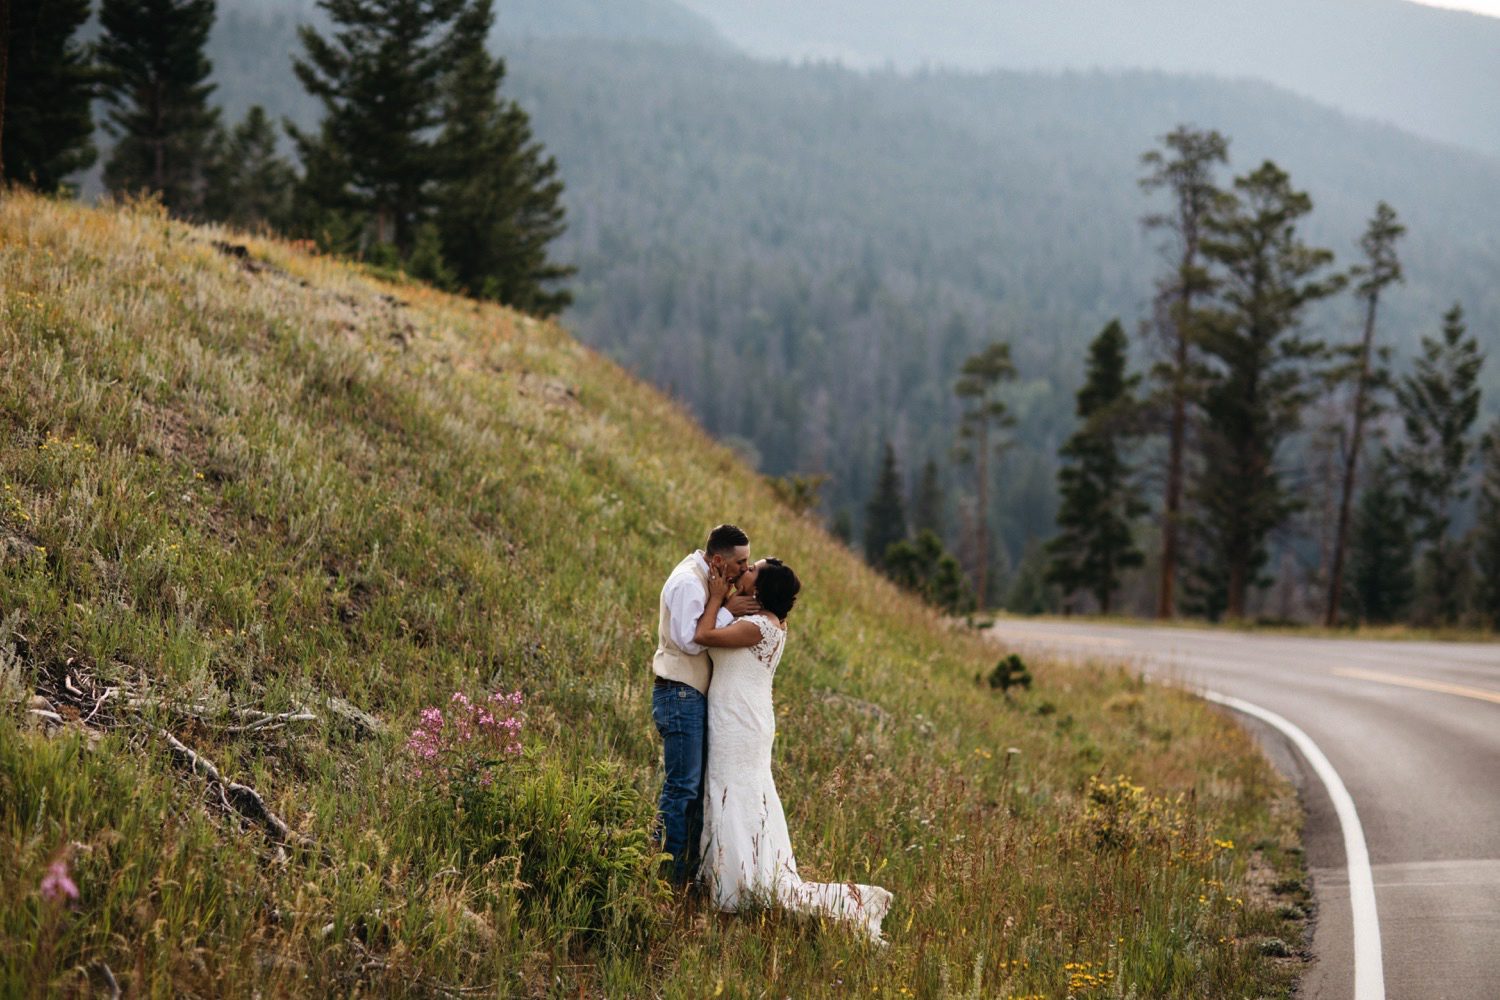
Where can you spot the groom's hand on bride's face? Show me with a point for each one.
(742, 604)
(718, 582)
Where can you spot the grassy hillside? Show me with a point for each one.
(244, 495)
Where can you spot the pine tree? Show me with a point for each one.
(498, 204)
(1185, 169)
(1487, 532)
(842, 527)
(1368, 373)
(1379, 588)
(1029, 592)
(1439, 402)
(46, 85)
(370, 168)
(1099, 500)
(925, 567)
(250, 185)
(155, 85)
(927, 504)
(885, 516)
(984, 417)
(1266, 278)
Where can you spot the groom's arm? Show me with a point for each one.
(686, 599)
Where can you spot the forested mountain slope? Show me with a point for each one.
(1433, 72)
(263, 513)
(840, 241)
(837, 242)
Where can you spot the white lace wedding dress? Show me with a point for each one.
(746, 848)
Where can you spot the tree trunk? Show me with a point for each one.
(1171, 514)
(4, 74)
(159, 144)
(982, 516)
(1346, 495)
(1166, 600)
(1234, 608)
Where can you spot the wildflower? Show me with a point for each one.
(464, 741)
(56, 885)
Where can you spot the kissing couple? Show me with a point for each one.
(721, 632)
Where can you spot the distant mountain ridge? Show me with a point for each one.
(1434, 72)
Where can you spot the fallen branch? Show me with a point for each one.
(253, 720)
(112, 986)
(363, 722)
(269, 721)
(108, 693)
(237, 797)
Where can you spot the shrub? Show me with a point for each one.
(585, 860)
(1010, 672)
(1123, 815)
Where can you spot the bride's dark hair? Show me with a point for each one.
(776, 587)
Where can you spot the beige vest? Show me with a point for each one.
(671, 661)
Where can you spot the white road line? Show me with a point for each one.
(1369, 977)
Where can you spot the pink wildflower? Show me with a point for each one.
(56, 885)
(468, 738)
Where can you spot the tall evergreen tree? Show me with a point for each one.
(1266, 278)
(1366, 369)
(985, 416)
(498, 203)
(885, 515)
(927, 504)
(4, 76)
(1099, 500)
(155, 84)
(249, 185)
(1184, 167)
(46, 85)
(1487, 531)
(370, 168)
(1439, 402)
(1379, 588)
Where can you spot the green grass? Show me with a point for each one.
(250, 488)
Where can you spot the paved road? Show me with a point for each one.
(1414, 731)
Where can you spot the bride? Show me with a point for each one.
(747, 851)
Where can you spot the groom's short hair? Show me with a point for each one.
(725, 539)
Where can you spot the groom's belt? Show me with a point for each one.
(662, 682)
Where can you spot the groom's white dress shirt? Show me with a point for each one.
(683, 598)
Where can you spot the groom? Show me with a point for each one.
(679, 702)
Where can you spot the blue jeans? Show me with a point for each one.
(681, 716)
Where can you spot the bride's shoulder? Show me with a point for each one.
(767, 623)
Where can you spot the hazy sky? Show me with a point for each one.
(1490, 7)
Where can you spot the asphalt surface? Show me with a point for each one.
(1413, 729)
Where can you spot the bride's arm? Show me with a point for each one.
(741, 633)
